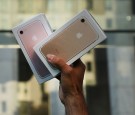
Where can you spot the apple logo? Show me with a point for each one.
(34, 38)
(79, 35)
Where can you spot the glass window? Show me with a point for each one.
(89, 4)
(109, 5)
(109, 77)
(3, 88)
(109, 23)
(4, 106)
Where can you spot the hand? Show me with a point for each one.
(71, 79)
(71, 83)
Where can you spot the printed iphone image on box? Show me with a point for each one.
(29, 35)
(72, 40)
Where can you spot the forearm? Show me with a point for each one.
(76, 105)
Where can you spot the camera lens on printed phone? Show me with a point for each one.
(82, 20)
(21, 32)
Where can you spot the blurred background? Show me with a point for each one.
(109, 84)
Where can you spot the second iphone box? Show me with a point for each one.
(28, 34)
(71, 41)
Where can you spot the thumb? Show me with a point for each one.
(59, 62)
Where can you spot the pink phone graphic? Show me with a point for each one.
(30, 35)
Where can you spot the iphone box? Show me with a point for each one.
(28, 34)
(71, 41)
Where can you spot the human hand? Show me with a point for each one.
(71, 83)
(71, 79)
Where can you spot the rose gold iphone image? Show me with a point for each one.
(72, 40)
(30, 35)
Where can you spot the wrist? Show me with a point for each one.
(72, 99)
(75, 105)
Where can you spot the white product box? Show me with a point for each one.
(72, 40)
(28, 34)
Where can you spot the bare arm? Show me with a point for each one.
(76, 105)
(71, 86)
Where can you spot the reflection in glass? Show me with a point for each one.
(108, 87)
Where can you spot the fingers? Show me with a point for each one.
(60, 63)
